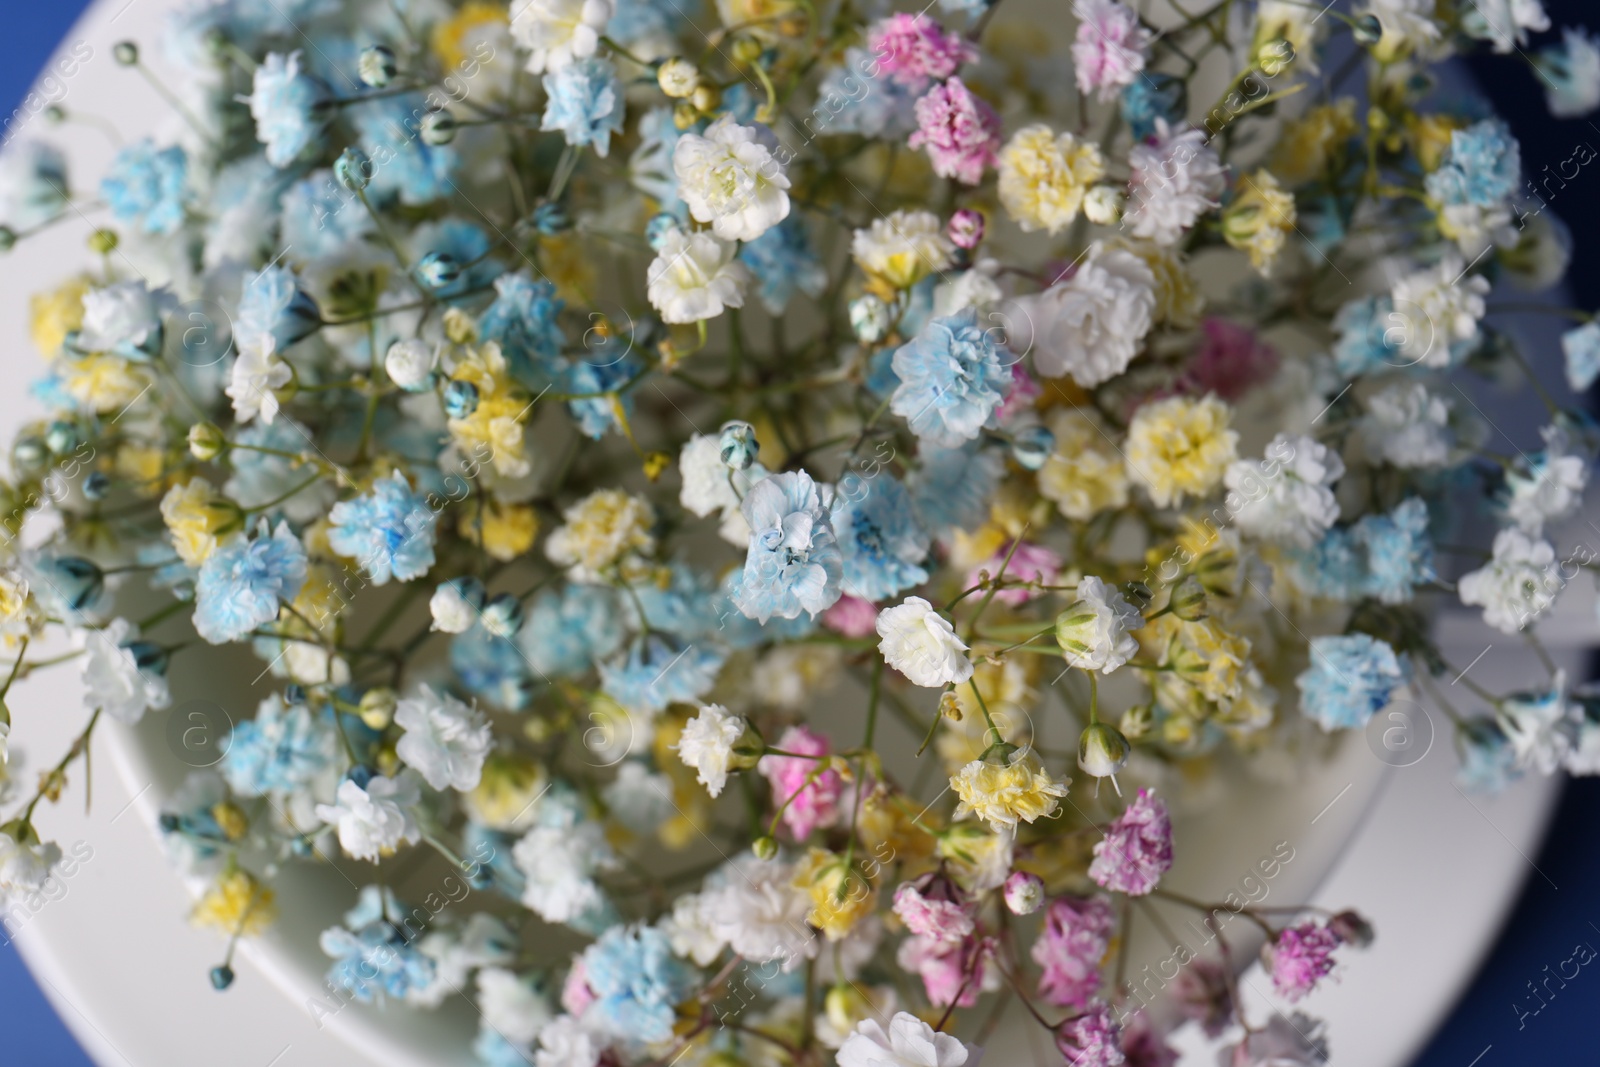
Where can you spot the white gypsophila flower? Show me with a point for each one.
(445, 739)
(1093, 630)
(1408, 426)
(410, 363)
(452, 612)
(731, 180)
(33, 184)
(1504, 23)
(1286, 497)
(1407, 24)
(1295, 1040)
(566, 1042)
(709, 485)
(556, 32)
(1540, 726)
(257, 371)
(790, 677)
(689, 931)
(112, 679)
(25, 866)
(1518, 584)
(311, 664)
(909, 1042)
(754, 907)
(880, 1002)
(639, 798)
(921, 644)
(1578, 92)
(1437, 307)
(1176, 178)
(903, 247)
(125, 317)
(706, 744)
(559, 864)
(1550, 488)
(1475, 227)
(695, 277)
(1092, 325)
(482, 941)
(376, 819)
(975, 288)
(512, 1006)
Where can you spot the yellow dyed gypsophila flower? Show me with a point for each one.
(1180, 447)
(1084, 475)
(505, 531)
(600, 531)
(20, 615)
(1259, 219)
(504, 797)
(902, 248)
(1312, 143)
(1179, 301)
(55, 313)
(841, 895)
(478, 33)
(237, 903)
(198, 519)
(103, 382)
(493, 433)
(1004, 793)
(1044, 176)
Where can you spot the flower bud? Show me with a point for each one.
(377, 707)
(1274, 56)
(1137, 721)
(965, 229)
(8, 238)
(705, 98)
(1367, 31)
(1189, 600)
(739, 445)
(869, 318)
(455, 604)
(460, 328)
(845, 1007)
(746, 50)
(678, 78)
(410, 364)
(29, 454)
(502, 615)
(438, 269)
(97, 485)
(1102, 205)
(1352, 928)
(206, 441)
(551, 218)
(460, 399)
(221, 977)
(437, 128)
(103, 242)
(376, 66)
(353, 169)
(1024, 893)
(1102, 750)
(62, 437)
(126, 53)
(684, 115)
(1032, 445)
(661, 226)
(764, 847)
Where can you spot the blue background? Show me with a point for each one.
(1484, 1030)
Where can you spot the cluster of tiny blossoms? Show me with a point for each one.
(638, 442)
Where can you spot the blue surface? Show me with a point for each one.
(1495, 1024)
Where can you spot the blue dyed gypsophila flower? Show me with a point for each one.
(523, 321)
(566, 632)
(283, 749)
(1398, 551)
(1152, 97)
(1332, 568)
(1483, 167)
(793, 562)
(951, 487)
(166, 570)
(33, 184)
(290, 107)
(373, 957)
(969, 8)
(650, 166)
(492, 668)
(242, 583)
(882, 543)
(403, 164)
(853, 98)
(491, 1049)
(272, 302)
(597, 415)
(261, 477)
(146, 186)
(321, 219)
(1570, 73)
(463, 242)
(1350, 678)
(243, 213)
(637, 982)
(1541, 726)
(742, 103)
(584, 101)
(737, 630)
(1488, 761)
(952, 377)
(635, 20)
(65, 586)
(389, 532)
(682, 605)
(188, 822)
(1581, 349)
(784, 264)
(1363, 342)
(656, 671)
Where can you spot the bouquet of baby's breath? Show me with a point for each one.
(682, 466)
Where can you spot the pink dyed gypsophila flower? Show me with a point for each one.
(851, 616)
(1200, 992)
(1092, 1039)
(966, 229)
(950, 972)
(1300, 958)
(1137, 849)
(1230, 361)
(576, 996)
(1075, 937)
(960, 131)
(1109, 49)
(1029, 563)
(1144, 1046)
(813, 805)
(934, 907)
(914, 49)
(1024, 390)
